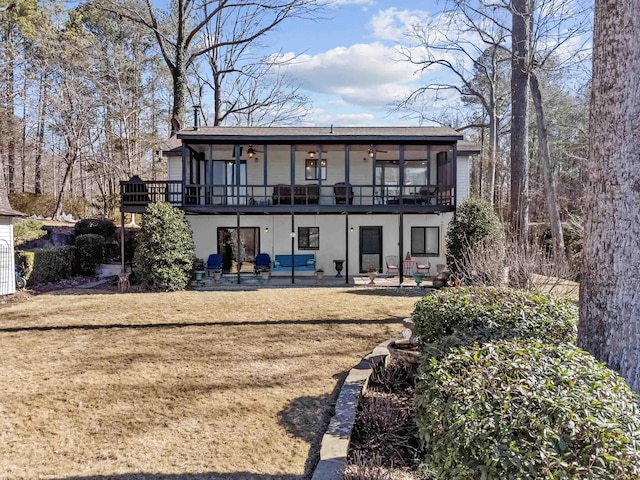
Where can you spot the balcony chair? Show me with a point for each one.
(393, 264)
(423, 265)
(214, 263)
(262, 263)
(343, 194)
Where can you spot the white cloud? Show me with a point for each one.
(392, 24)
(348, 69)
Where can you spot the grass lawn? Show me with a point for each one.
(192, 385)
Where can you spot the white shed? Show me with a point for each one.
(7, 280)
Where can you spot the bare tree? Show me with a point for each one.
(609, 324)
(182, 37)
(473, 50)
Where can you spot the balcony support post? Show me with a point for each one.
(292, 181)
(347, 184)
(122, 269)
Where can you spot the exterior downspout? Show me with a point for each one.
(347, 183)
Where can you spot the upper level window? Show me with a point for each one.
(425, 241)
(315, 169)
(308, 238)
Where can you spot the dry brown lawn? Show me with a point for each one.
(193, 385)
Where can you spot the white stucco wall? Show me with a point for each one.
(7, 281)
(332, 235)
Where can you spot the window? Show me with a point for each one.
(425, 241)
(308, 238)
(315, 169)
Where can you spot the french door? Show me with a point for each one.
(370, 248)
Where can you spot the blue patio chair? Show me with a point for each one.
(214, 263)
(263, 262)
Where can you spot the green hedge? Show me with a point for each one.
(89, 252)
(521, 409)
(97, 226)
(492, 313)
(52, 264)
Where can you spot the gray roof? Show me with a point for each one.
(327, 134)
(466, 147)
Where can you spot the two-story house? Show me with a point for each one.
(349, 197)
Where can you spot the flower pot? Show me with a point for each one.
(438, 282)
(319, 275)
(265, 275)
(199, 275)
(418, 277)
(372, 277)
(216, 275)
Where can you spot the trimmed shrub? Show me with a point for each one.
(524, 410)
(90, 252)
(24, 261)
(474, 225)
(52, 264)
(486, 313)
(97, 226)
(165, 251)
(26, 231)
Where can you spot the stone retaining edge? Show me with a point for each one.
(336, 440)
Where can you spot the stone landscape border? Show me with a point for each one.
(336, 440)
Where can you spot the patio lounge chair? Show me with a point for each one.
(263, 262)
(214, 263)
(343, 194)
(392, 263)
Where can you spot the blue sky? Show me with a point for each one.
(347, 64)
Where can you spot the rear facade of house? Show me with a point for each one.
(356, 198)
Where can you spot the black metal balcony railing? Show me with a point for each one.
(136, 195)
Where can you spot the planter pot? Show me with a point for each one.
(405, 354)
(372, 277)
(265, 275)
(216, 276)
(441, 267)
(199, 275)
(438, 282)
(418, 277)
(319, 275)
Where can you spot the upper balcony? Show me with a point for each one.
(281, 198)
(315, 170)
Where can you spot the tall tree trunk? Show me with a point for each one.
(42, 105)
(521, 39)
(609, 324)
(11, 144)
(549, 186)
(66, 181)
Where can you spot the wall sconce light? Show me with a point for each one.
(250, 151)
(351, 229)
(266, 229)
(370, 152)
(292, 234)
(312, 154)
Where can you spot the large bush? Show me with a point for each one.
(521, 409)
(164, 252)
(24, 261)
(97, 226)
(490, 313)
(475, 226)
(52, 264)
(90, 252)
